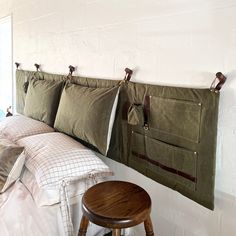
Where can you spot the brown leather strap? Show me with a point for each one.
(221, 79)
(146, 112)
(125, 110)
(71, 69)
(128, 74)
(166, 168)
(37, 67)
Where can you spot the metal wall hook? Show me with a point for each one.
(221, 78)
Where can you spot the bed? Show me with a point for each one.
(44, 170)
(65, 121)
(28, 208)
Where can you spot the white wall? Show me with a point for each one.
(177, 42)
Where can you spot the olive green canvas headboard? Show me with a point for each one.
(166, 133)
(175, 141)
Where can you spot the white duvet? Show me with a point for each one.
(20, 216)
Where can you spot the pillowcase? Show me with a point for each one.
(11, 163)
(51, 196)
(42, 100)
(55, 157)
(17, 127)
(88, 113)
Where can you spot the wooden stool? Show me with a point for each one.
(116, 205)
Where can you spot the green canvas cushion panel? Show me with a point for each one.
(11, 163)
(49, 76)
(94, 82)
(137, 146)
(183, 119)
(40, 75)
(85, 113)
(42, 100)
(189, 173)
(176, 117)
(21, 78)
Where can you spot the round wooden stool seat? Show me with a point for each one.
(116, 205)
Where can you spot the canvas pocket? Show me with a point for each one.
(176, 166)
(137, 147)
(178, 118)
(172, 159)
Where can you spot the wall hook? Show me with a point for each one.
(128, 74)
(220, 78)
(37, 66)
(71, 69)
(17, 65)
(9, 113)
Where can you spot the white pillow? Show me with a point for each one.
(11, 163)
(54, 157)
(19, 126)
(51, 196)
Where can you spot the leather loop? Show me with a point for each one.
(146, 112)
(37, 67)
(221, 80)
(71, 70)
(128, 74)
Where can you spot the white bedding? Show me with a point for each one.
(19, 216)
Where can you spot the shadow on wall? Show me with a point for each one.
(228, 97)
(231, 78)
(227, 109)
(225, 159)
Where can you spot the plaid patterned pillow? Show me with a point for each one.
(19, 126)
(54, 157)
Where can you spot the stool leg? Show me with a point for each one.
(83, 226)
(116, 232)
(148, 226)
